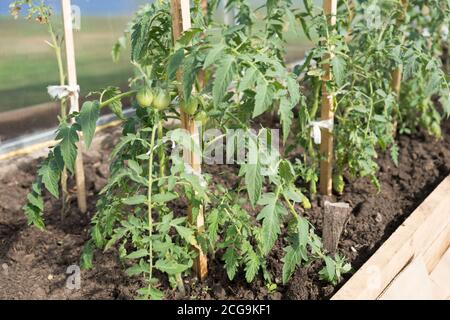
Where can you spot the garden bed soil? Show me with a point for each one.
(33, 264)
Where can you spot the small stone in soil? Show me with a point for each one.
(378, 218)
(50, 277)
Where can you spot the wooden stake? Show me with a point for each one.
(74, 103)
(181, 21)
(327, 112)
(335, 217)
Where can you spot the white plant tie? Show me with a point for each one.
(316, 133)
(59, 92)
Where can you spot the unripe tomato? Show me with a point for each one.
(145, 97)
(162, 100)
(338, 183)
(435, 130)
(190, 107)
(306, 203)
(202, 116)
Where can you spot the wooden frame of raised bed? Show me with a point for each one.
(414, 263)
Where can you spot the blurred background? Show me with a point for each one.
(28, 66)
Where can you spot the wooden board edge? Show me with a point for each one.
(415, 236)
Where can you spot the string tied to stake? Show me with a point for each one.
(316, 132)
(60, 92)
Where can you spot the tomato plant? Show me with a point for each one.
(244, 76)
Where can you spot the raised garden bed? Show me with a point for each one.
(33, 263)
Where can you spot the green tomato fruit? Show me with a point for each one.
(306, 203)
(162, 100)
(190, 107)
(145, 97)
(202, 116)
(338, 183)
(436, 130)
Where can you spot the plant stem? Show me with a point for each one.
(149, 202)
(161, 155)
(63, 113)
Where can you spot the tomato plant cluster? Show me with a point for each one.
(243, 76)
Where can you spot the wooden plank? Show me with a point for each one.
(327, 112)
(415, 237)
(74, 102)
(441, 277)
(437, 249)
(413, 283)
(181, 21)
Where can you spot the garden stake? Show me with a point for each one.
(327, 113)
(74, 104)
(181, 21)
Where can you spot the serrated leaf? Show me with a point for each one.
(175, 61)
(164, 197)
(137, 254)
(286, 116)
(251, 265)
(231, 259)
(69, 137)
(338, 65)
(186, 233)
(213, 55)
(171, 267)
(90, 111)
(135, 200)
(134, 165)
(224, 75)
(271, 220)
(116, 107)
(50, 174)
(253, 181)
(212, 221)
(248, 80)
(263, 98)
(290, 261)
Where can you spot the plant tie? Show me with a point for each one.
(60, 92)
(316, 133)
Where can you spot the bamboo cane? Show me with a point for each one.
(74, 103)
(181, 21)
(327, 112)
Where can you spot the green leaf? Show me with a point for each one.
(116, 106)
(212, 221)
(213, 55)
(290, 261)
(251, 264)
(186, 233)
(36, 200)
(338, 65)
(175, 61)
(134, 165)
(50, 174)
(189, 75)
(69, 137)
(231, 259)
(164, 197)
(137, 254)
(286, 116)
(271, 216)
(224, 75)
(248, 80)
(263, 98)
(135, 200)
(171, 267)
(254, 179)
(88, 120)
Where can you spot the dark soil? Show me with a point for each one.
(33, 264)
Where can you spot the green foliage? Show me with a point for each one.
(244, 76)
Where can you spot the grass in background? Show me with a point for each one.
(28, 65)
